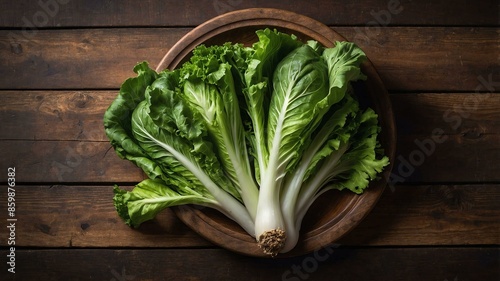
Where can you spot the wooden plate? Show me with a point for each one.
(335, 213)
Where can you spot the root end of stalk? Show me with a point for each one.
(272, 241)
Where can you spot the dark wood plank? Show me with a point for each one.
(460, 264)
(407, 58)
(432, 215)
(77, 115)
(54, 115)
(441, 134)
(189, 13)
(440, 59)
(59, 137)
(82, 58)
(458, 159)
(84, 216)
(67, 161)
(470, 115)
(81, 51)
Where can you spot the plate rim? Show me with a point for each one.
(277, 18)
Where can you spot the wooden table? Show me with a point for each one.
(62, 61)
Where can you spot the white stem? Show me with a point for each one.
(248, 189)
(269, 214)
(325, 173)
(231, 206)
(293, 233)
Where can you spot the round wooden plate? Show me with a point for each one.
(335, 213)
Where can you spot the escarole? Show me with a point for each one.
(257, 133)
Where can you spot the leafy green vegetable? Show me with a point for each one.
(258, 133)
(209, 88)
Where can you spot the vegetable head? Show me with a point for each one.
(257, 133)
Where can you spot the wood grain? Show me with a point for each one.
(62, 137)
(458, 159)
(77, 115)
(84, 216)
(407, 58)
(81, 58)
(54, 115)
(467, 114)
(189, 13)
(67, 161)
(59, 69)
(432, 215)
(409, 264)
(461, 158)
(436, 59)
